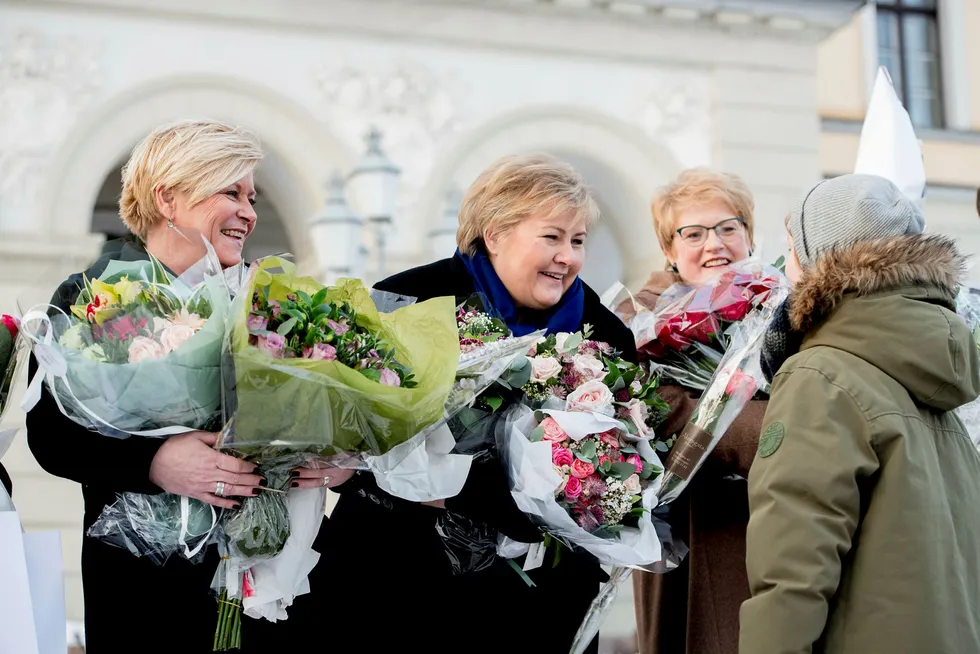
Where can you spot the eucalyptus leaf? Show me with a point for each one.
(494, 402)
(537, 435)
(622, 470)
(588, 449)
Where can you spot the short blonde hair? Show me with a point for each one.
(514, 188)
(196, 157)
(697, 186)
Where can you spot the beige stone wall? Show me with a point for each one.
(841, 84)
(972, 21)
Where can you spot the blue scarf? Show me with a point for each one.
(566, 316)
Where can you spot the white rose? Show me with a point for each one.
(632, 484)
(94, 352)
(591, 396)
(72, 339)
(560, 339)
(143, 348)
(588, 366)
(174, 336)
(638, 414)
(544, 368)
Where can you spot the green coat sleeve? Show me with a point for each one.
(805, 504)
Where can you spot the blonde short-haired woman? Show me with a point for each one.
(182, 181)
(523, 227)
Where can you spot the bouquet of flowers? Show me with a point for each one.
(580, 453)
(139, 350)
(687, 334)
(738, 378)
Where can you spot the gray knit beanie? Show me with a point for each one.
(845, 210)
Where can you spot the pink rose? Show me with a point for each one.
(591, 396)
(390, 378)
(609, 438)
(604, 458)
(588, 367)
(633, 484)
(320, 352)
(740, 386)
(143, 349)
(573, 489)
(272, 344)
(338, 328)
(174, 336)
(561, 456)
(544, 368)
(582, 469)
(638, 414)
(636, 461)
(552, 431)
(256, 323)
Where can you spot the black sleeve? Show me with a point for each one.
(66, 449)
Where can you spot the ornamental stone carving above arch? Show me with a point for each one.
(46, 83)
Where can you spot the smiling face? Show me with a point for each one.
(225, 218)
(539, 258)
(698, 262)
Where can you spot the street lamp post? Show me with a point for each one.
(374, 187)
(442, 238)
(336, 232)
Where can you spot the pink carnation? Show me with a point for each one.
(636, 461)
(609, 438)
(256, 323)
(338, 328)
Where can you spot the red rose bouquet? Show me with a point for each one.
(685, 336)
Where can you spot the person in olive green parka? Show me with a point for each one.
(863, 533)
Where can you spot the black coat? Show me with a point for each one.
(384, 567)
(131, 604)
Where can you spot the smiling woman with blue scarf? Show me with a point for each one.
(522, 232)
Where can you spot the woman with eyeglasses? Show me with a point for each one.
(704, 222)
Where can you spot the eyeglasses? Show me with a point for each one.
(727, 231)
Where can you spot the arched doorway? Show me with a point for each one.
(621, 164)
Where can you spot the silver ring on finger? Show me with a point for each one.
(219, 489)
(326, 479)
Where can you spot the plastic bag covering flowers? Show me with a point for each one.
(686, 334)
(335, 376)
(968, 308)
(139, 352)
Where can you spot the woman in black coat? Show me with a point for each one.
(522, 232)
(183, 181)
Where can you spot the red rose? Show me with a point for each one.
(11, 323)
(740, 385)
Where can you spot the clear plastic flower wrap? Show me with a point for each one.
(737, 380)
(139, 350)
(157, 526)
(685, 336)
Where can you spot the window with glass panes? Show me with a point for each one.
(908, 46)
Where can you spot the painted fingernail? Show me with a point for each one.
(295, 484)
(294, 473)
(263, 482)
(237, 505)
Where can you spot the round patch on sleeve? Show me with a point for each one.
(771, 439)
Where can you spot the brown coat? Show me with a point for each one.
(695, 608)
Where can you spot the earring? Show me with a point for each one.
(672, 268)
(170, 223)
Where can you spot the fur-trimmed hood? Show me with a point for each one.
(892, 303)
(873, 267)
